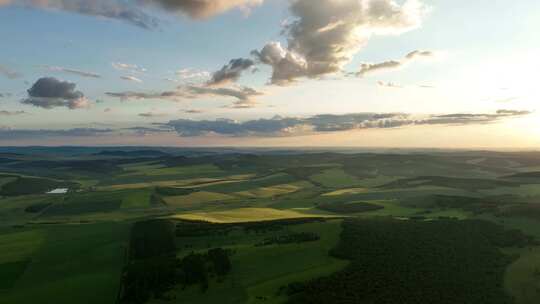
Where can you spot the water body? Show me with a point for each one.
(58, 191)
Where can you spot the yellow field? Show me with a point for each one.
(346, 191)
(266, 192)
(242, 215)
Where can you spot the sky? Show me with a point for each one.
(294, 73)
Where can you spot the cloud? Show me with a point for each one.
(152, 115)
(9, 73)
(111, 9)
(143, 131)
(280, 126)
(135, 12)
(49, 92)
(190, 92)
(130, 95)
(322, 38)
(241, 93)
(231, 72)
(200, 9)
(389, 85)
(131, 78)
(419, 54)
(72, 71)
(185, 127)
(513, 112)
(193, 111)
(11, 134)
(368, 68)
(133, 68)
(12, 113)
(189, 74)
(507, 99)
(242, 104)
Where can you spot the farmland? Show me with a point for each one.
(280, 221)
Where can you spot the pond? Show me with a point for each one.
(58, 191)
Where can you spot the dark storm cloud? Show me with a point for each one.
(324, 123)
(231, 72)
(49, 92)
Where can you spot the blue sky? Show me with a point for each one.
(479, 58)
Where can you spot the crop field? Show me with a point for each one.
(244, 215)
(95, 252)
(278, 219)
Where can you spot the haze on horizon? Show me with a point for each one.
(356, 73)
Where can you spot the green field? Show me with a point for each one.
(335, 178)
(64, 261)
(71, 248)
(261, 271)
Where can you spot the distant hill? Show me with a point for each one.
(137, 153)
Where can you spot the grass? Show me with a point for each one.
(335, 178)
(10, 272)
(522, 190)
(253, 183)
(137, 199)
(31, 185)
(261, 271)
(391, 208)
(74, 264)
(5, 180)
(12, 209)
(79, 206)
(242, 215)
(268, 192)
(347, 191)
(157, 170)
(18, 245)
(195, 198)
(522, 278)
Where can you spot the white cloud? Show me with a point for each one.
(128, 67)
(323, 38)
(131, 78)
